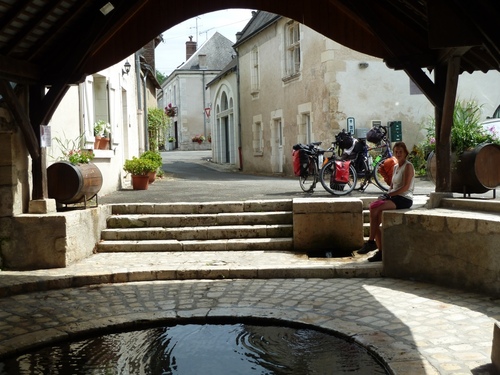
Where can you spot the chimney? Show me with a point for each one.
(190, 48)
(202, 61)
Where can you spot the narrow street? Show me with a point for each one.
(190, 176)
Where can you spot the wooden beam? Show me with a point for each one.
(444, 121)
(20, 115)
(425, 85)
(38, 166)
(19, 71)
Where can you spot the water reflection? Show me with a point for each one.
(201, 349)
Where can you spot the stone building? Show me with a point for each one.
(298, 86)
(185, 90)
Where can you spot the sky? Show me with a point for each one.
(172, 51)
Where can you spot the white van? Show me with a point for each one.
(493, 121)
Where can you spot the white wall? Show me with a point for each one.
(76, 116)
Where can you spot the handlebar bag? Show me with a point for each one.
(342, 171)
(344, 140)
(374, 135)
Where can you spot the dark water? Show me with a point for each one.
(201, 349)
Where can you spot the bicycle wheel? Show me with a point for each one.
(327, 178)
(382, 174)
(309, 178)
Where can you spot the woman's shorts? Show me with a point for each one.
(401, 202)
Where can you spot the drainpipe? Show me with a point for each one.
(204, 105)
(146, 132)
(239, 108)
(138, 73)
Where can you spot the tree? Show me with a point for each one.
(158, 125)
(160, 77)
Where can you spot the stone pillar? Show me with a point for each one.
(326, 223)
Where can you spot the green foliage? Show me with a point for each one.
(139, 166)
(158, 124)
(72, 150)
(101, 127)
(153, 156)
(160, 77)
(466, 133)
(80, 156)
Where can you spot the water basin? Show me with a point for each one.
(201, 349)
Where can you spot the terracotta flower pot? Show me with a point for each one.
(152, 177)
(140, 182)
(103, 143)
(97, 142)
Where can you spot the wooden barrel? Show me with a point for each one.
(68, 183)
(476, 171)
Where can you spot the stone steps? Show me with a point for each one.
(252, 239)
(219, 226)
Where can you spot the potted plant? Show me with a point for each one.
(98, 128)
(101, 134)
(139, 168)
(155, 158)
(104, 144)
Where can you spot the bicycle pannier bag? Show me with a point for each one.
(304, 163)
(386, 169)
(374, 135)
(296, 162)
(341, 171)
(344, 140)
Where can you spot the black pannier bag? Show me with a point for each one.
(344, 140)
(374, 135)
(304, 162)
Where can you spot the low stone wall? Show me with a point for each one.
(53, 240)
(326, 223)
(445, 246)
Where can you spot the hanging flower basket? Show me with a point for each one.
(170, 111)
(198, 139)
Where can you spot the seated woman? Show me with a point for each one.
(400, 196)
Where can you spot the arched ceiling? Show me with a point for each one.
(60, 41)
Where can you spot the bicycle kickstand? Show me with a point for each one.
(363, 186)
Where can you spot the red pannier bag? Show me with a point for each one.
(386, 169)
(342, 171)
(296, 162)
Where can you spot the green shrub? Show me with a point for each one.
(154, 156)
(139, 166)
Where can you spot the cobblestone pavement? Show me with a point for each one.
(416, 328)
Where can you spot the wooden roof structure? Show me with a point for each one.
(56, 43)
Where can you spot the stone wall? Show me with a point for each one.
(450, 247)
(327, 224)
(54, 240)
